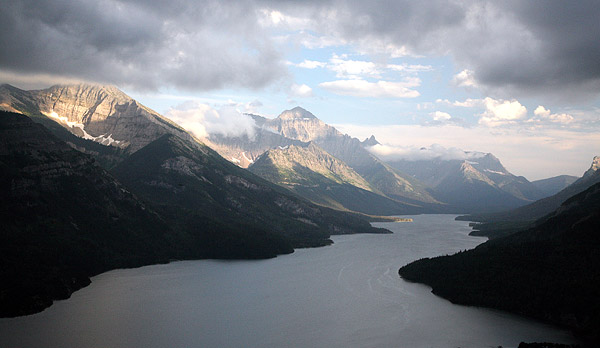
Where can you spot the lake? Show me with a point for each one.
(348, 294)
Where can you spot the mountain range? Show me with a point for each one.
(529, 213)
(478, 183)
(299, 127)
(167, 196)
(95, 181)
(105, 115)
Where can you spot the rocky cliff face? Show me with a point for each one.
(100, 113)
(323, 179)
(300, 124)
(244, 150)
(594, 168)
(285, 163)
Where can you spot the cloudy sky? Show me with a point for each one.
(520, 79)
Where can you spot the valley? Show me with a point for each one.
(258, 173)
(113, 184)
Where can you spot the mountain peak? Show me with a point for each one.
(297, 113)
(370, 141)
(90, 89)
(594, 168)
(596, 163)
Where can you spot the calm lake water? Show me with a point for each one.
(345, 295)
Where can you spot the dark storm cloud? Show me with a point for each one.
(514, 47)
(568, 45)
(144, 44)
(547, 48)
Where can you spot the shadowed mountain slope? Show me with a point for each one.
(479, 184)
(544, 206)
(550, 272)
(64, 219)
(191, 182)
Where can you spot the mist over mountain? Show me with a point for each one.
(300, 125)
(480, 183)
(244, 150)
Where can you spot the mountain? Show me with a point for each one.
(478, 184)
(325, 180)
(64, 219)
(302, 126)
(106, 115)
(544, 206)
(371, 141)
(245, 149)
(551, 186)
(190, 183)
(103, 114)
(550, 271)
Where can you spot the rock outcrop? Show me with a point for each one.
(100, 113)
(321, 178)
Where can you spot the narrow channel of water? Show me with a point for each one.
(345, 295)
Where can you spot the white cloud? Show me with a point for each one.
(440, 116)
(301, 91)
(541, 111)
(502, 112)
(311, 64)
(347, 68)
(352, 68)
(544, 115)
(310, 41)
(378, 47)
(468, 103)
(379, 89)
(202, 120)
(274, 18)
(411, 68)
(465, 78)
(413, 153)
